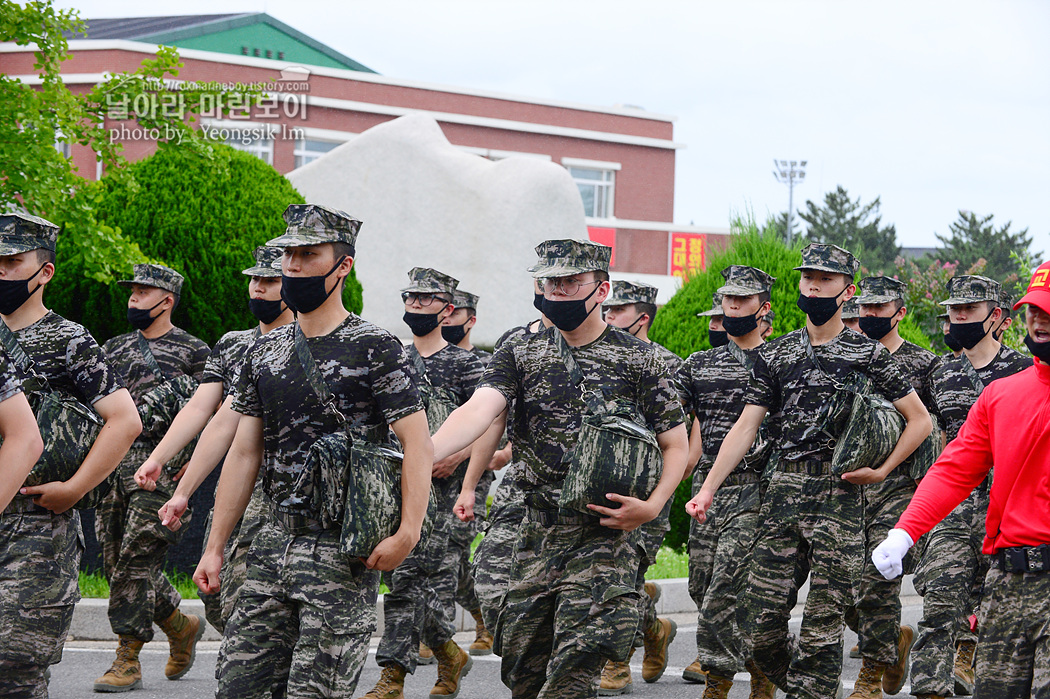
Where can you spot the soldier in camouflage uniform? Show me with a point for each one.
(814, 517)
(1006, 303)
(954, 346)
(716, 335)
(885, 645)
(421, 604)
(632, 308)
(766, 322)
(572, 601)
(851, 315)
(41, 535)
(209, 414)
(713, 383)
(951, 569)
(306, 611)
(133, 541)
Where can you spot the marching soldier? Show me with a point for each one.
(954, 346)
(457, 327)
(716, 335)
(766, 323)
(851, 315)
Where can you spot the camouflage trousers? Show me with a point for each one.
(949, 577)
(810, 523)
(571, 605)
(494, 556)
(876, 614)
(421, 603)
(218, 607)
(1013, 655)
(302, 621)
(39, 560)
(648, 539)
(730, 532)
(134, 544)
(703, 539)
(463, 535)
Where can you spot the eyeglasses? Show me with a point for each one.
(569, 286)
(422, 299)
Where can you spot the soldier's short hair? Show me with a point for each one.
(647, 308)
(44, 256)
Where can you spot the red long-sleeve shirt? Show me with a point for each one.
(1008, 427)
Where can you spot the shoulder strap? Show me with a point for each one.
(974, 377)
(14, 350)
(594, 400)
(420, 365)
(741, 356)
(313, 374)
(804, 339)
(147, 354)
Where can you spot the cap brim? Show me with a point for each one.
(962, 300)
(712, 312)
(16, 248)
(550, 271)
(261, 272)
(299, 240)
(826, 268)
(737, 290)
(875, 298)
(424, 289)
(1039, 298)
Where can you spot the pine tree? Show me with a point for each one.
(855, 227)
(972, 238)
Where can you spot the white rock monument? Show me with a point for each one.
(423, 203)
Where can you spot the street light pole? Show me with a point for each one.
(788, 172)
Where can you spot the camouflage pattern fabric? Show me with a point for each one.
(1012, 659)
(562, 258)
(742, 280)
(39, 560)
(21, 232)
(462, 536)
(157, 276)
(519, 332)
(313, 224)
(302, 622)
(494, 556)
(483, 356)
(672, 360)
(971, 288)
(952, 389)
(227, 357)
(624, 293)
(424, 280)
(876, 290)
(829, 258)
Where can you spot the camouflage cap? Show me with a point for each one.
(1006, 300)
(971, 288)
(562, 258)
(850, 309)
(829, 258)
(312, 224)
(630, 292)
(464, 299)
(769, 317)
(716, 307)
(943, 316)
(21, 233)
(424, 280)
(156, 275)
(267, 262)
(742, 280)
(880, 290)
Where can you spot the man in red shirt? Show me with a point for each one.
(1008, 428)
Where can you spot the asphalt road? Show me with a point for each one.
(85, 660)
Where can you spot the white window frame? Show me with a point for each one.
(304, 155)
(604, 189)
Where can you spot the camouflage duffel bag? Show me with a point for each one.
(439, 403)
(925, 454)
(870, 434)
(68, 428)
(614, 454)
(158, 408)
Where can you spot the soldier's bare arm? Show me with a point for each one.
(740, 438)
(231, 498)
(22, 445)
(469, 421)
(481, 456)
(121, 427)
(186, 425)
(918, 428)
(414, 434)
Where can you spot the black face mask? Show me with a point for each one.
(876, 328)
(266, 311)
(140, 318)
(718, 338)
(15, 292)
(569, 315)
(970, 334)
(820, 310)
(953, 344)
(1038, 349)
(306, 294)
(454, 334)
(537, 301)
(422, 323)
(738, 327)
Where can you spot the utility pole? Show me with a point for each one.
(788, 172)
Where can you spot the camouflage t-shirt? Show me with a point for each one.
(67, 356)
(918, 365)
(797, 393)
(713, 384)
(227, 357)
(452, 368)
(176, 351)
(549, 409)
(672, 360)
(519, 331)
(954, 392)
(483, 356)
(366, 370)
(10, 384)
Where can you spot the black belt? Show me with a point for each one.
(743, 478)
(812, 467)
(295, 524)
(542, 508)
(1024, 559)
(21, 505)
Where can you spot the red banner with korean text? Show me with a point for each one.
(688, 253)
(604, 236)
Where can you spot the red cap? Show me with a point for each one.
(1038, 293)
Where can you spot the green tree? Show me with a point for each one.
(972, 238)
(854, 226)
(779, 223)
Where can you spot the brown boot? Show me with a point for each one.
(896, 674)
(426, 656)
(869, 682)
(964, 673)
(482, 644)
(694, 674)
(616, 679)
(391, 684)
(125, 674)
(854, 652)
(657, 639)
(761, 686)
(453, 665)
(717, 687)
(653, 590)
(183, 632)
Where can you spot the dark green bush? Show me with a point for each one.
(202, 216)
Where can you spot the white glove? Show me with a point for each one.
(888, 556)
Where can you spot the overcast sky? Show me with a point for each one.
(933, 106)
